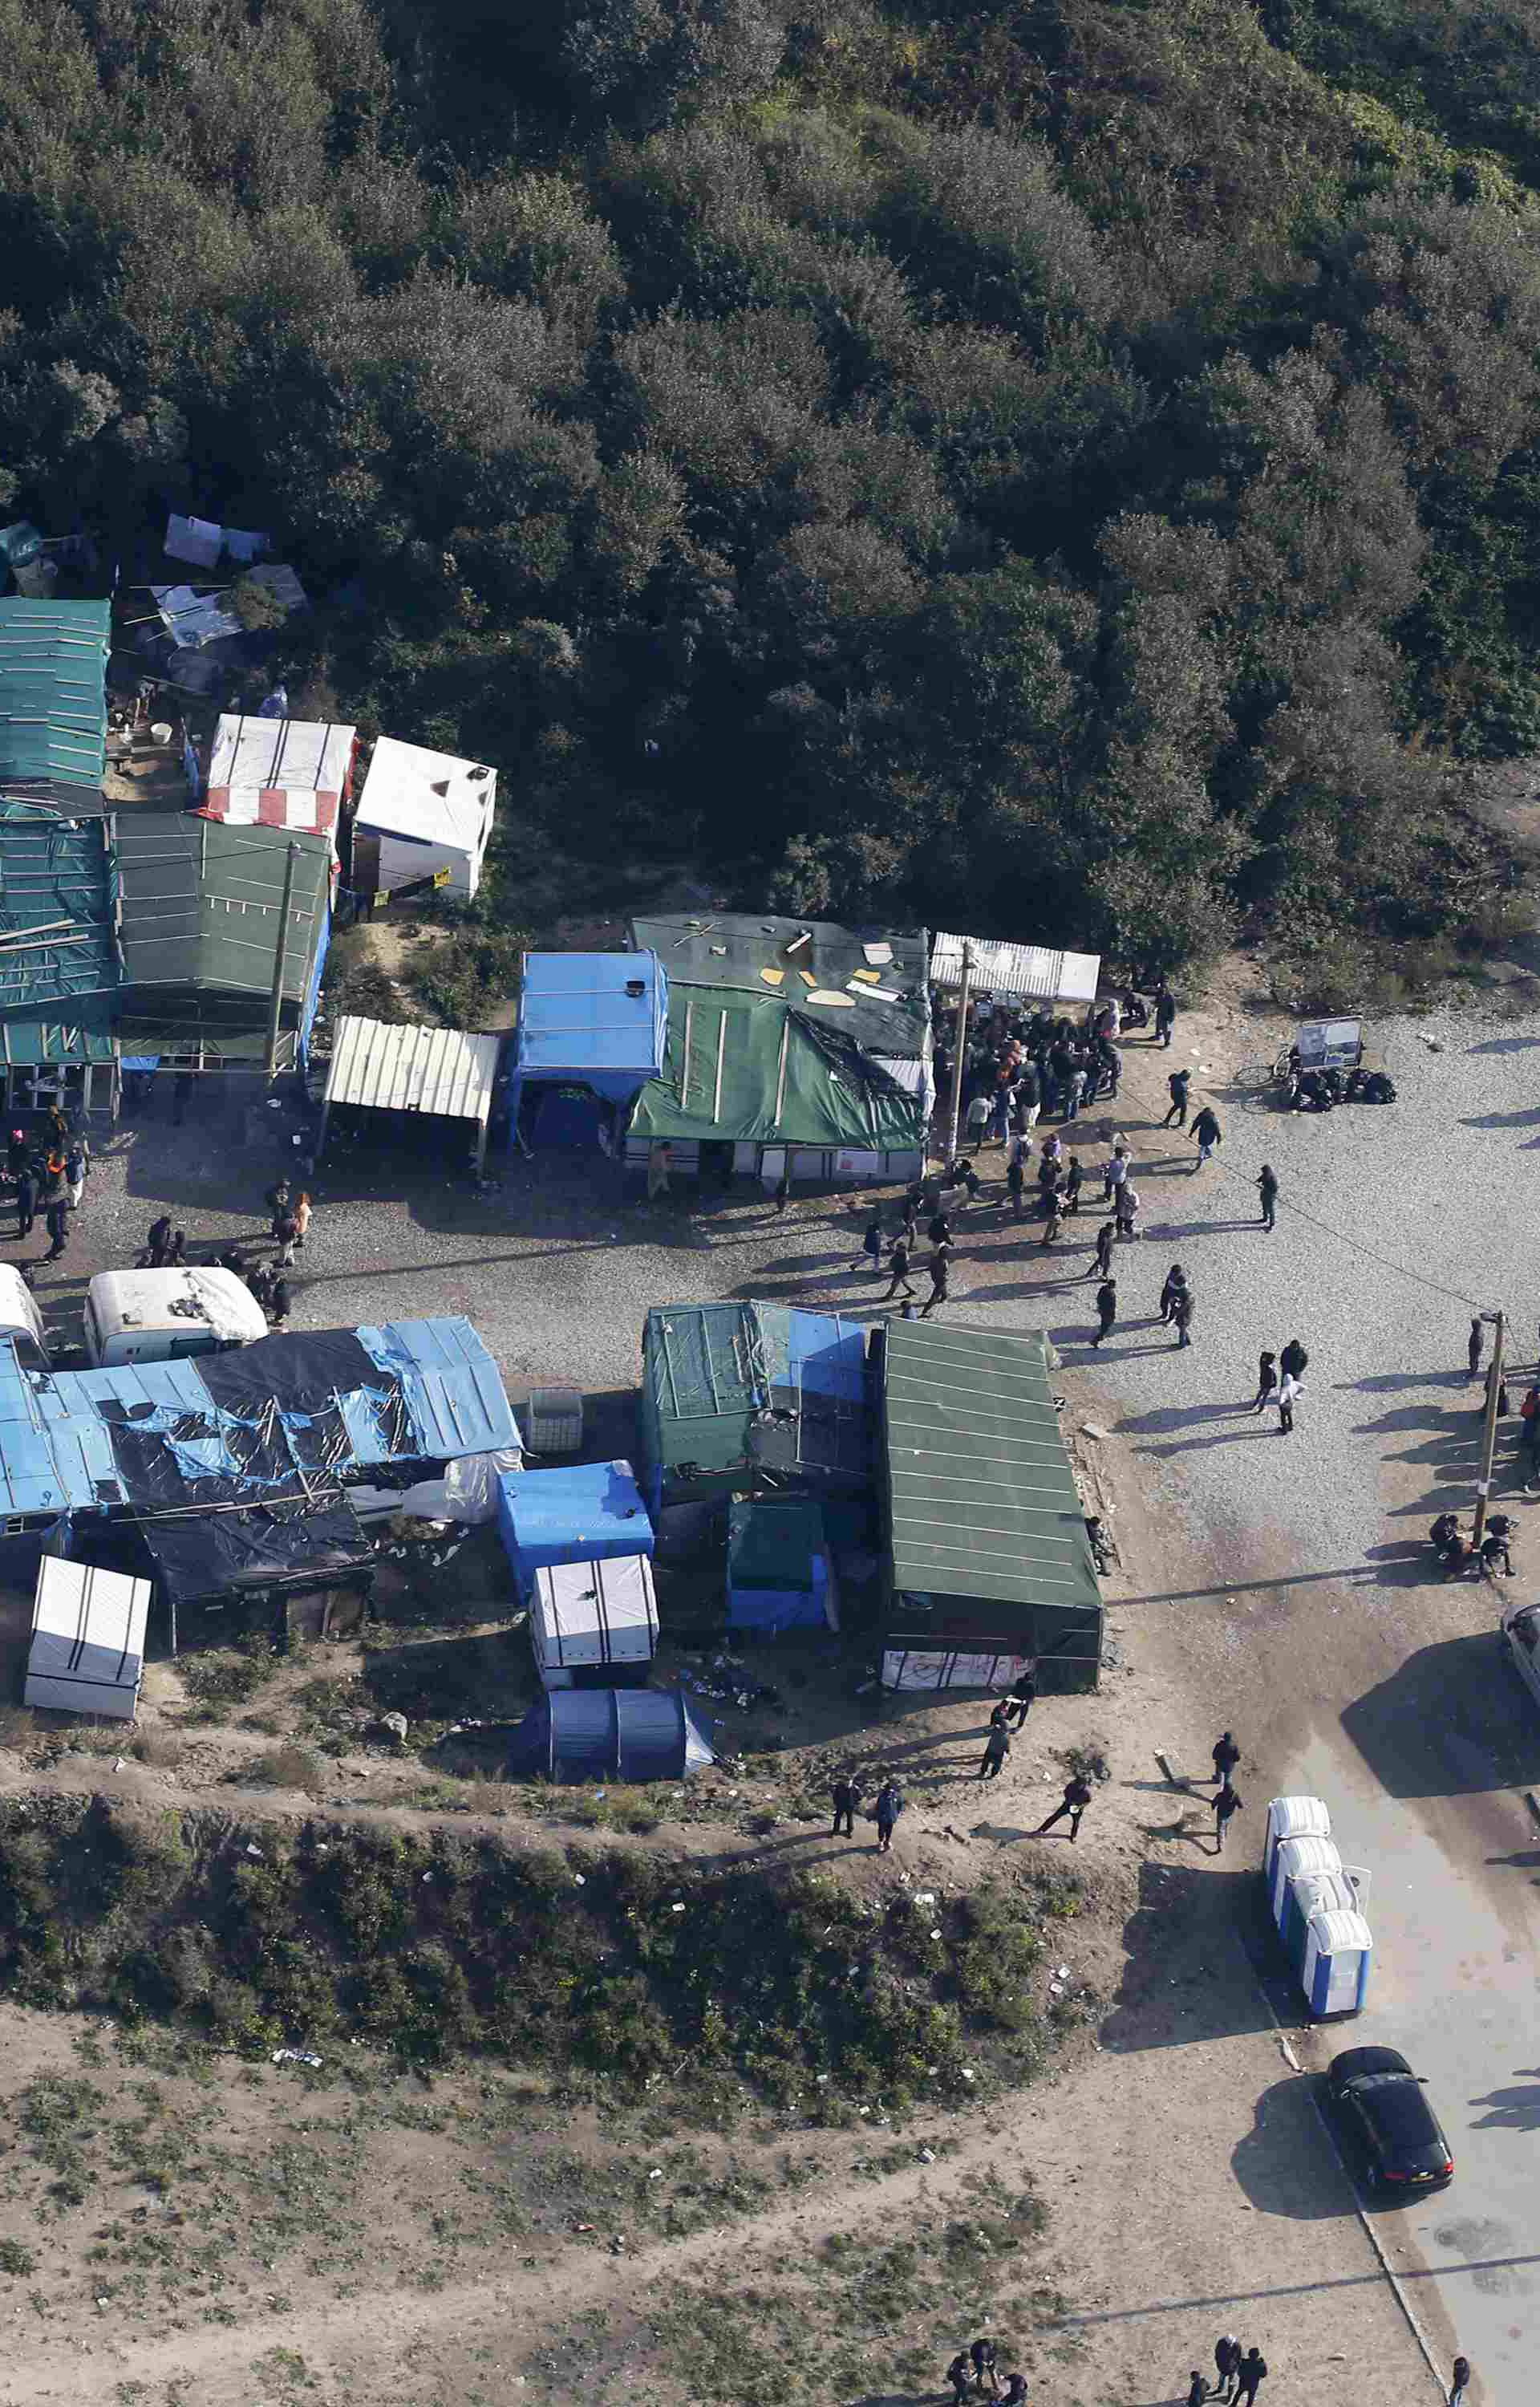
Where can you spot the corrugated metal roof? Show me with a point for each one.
(407, 1069)
(429, 796)
(58, 938)
(53, 716)
(201, 905)
(983, 1499)
(1028, 970)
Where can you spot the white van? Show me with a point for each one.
(20, 1319)
(165, 1315)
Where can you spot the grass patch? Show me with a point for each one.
(285, 1767)
(227, 1676)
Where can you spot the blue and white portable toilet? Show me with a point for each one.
(1309, 1893)
(1293, 1818)
(1293, 1857)
(1336, 1973)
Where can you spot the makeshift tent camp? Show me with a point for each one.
(803, 1046)
(594, 1625)
(591, 1027)
(780, 1576)
(573, 1515)
(88, 1640)
(610, 1734)
(753, 1398)
(282, 773)
(421, 812)
(988, 1562)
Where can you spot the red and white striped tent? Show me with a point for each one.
(284, 773)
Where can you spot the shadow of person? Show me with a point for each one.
(1512, 2109)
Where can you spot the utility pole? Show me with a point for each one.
(274, 1018)
(1489, 1429)
(955, 1112)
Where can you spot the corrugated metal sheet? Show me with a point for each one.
(53, 690)
(437, 1070)
(1031, 972)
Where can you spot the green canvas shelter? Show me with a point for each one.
(753, 1400)
(988, 1558)
(750, 1069)
(53, 658)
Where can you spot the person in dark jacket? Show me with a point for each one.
(1178, 1083)
(18, 1153)
(1226, 1756)
(1249, 2376)
(1074, 1180)
(1020, 1697)
(886, 1808)
(1106, 1310)
(847, 1796)
(960, 2374)
(897, 1263)
(869, 1259)
(1207, 1132)
(1165, 1015)
(1476, 1345)
(1226, 2364)
(1175, 1284)
(997, 1748)
(1101, 1261)
(26, 1200)
(157, 1243)
(1266, 1380)
(939, 1265)
(278, 1199)
(984, 2360)
(1015, 1183)
(1227, 1802)
(1182, 1313)
(1292, 1359)
(279, 1302)
(1267, 1194)
(1077, 1797)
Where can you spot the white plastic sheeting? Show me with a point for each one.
(1016, 972)
(468, 1492)
(88, 1640)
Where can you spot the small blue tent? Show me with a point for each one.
(610, 1734)
(582, 1513)
(592, 1029)
(778, 1574)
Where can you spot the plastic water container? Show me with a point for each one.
(1335, 1976)
(1293, 1818)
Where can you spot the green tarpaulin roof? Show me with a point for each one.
(53, 718)
(772, 1544)
(731, 949)
(201, 911)
(983, 1499)
(752, 1068)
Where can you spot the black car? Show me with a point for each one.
(1380, 2098)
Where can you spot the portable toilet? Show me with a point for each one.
(1293, 1818)
(1293, 1857)
(1336, 1973)
(1308, 1893)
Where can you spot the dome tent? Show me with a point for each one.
(574, 1734)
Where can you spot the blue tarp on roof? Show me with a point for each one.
(278, 1420)
(582, 1513)
(577, 1021)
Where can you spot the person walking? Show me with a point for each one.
(847, 1796)
(76, 1164)
(279, 1300)
(985, 2359)
(1015, 1183)
(26, 1200)
(56, 1221)
(1127, 1209)
(886, 1808)
(1249, 2376)
(1267, 1379)
(1288, 1389)
(278, 1199)
(940, 1230)
(960, 2374)
(1101, 1261)
(1529, 1436)
(1055, 1222)
(1207, 1132)
(287, 1231)
(1182, 1315)
(782, 1196)
(1461, 2383)
(869, 1259)
(1227, 1802)
(997, 1748)
(1267, 1195)
(303, 1213)
(938, 1264)
(1074, 1180)
(1077, 1797)
(1020, 1697)
(1177, 1086)
(1292, 1359)
(897, 1263)
(1165, 1014)
(1226, 1755)
(1226, 2364)
(1175, 1284)
(1106, 1310)
(978, 1119)
(1115, 1170)
(1476, 1345)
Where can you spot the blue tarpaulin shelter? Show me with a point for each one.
(582, 1513)
(592, 1029)
(610, 1734)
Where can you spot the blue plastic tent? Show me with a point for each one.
(779, 1576)
(581, 1514)
(594, 1021)
(610, 1734)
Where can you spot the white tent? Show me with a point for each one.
(289, 773)
(88, 1640)
(596, 1618)
(427, 813)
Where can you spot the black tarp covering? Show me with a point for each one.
(210, 1554)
